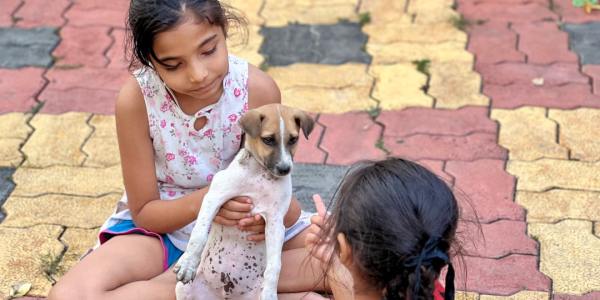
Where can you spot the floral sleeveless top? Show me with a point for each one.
(186, 159)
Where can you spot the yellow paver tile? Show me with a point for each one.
(70, 211)
(9, 152)
(466, 296)
(570, 255)
(579, 132)
(385, 11)
(528, 134)
(325, 88)
(93, 182)
(13, 132)
(57, 140)
(597, 229)
(408, 52)
(522, 295)
(545, 173)
(249, 49)
(21, 254)
(282, 12)
(399, 86)
(455, 84)
(555, 205)
(78, 242)
(406, 31)
(102, 148)
(427, 12)
(249, 9)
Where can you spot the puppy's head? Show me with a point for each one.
(272, 133)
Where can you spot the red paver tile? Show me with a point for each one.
(437, 167)
(544, 43)
(82, 46)
(446, 147)
(412, 121)
(507, 12)
(308, 150)
(565, 96)
(497, 239)
(554, 74)
(6, 13)
(18, 89)
(79, 99)
(494, 42)
(116, 53)
(350, 137)
(485, 188)
(504, 276)
(572, 14)
(85, 77)
(594, 72)
(103, 13)
(588, 296)
(38, 13)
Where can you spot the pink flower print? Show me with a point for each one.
(209, 133)
(237, 92)
(170, 180)
(246, 107)
(164, 106)
(210, 177)
(190, 160)
(172, 193)
(170, 156)
(163, 123)
(182, 152)
(232, 118)
(168, 96)
(238, 137)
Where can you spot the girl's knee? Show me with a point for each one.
(66, 289)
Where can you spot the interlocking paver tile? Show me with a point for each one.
(446, 147)
(563, 96)
(98, 13)
(594, 72)
(501, 276)
(102, 148)
(437, 167)
(282, 12)
(571, 14)
(408, 52)
(249, 8)
(116, 53)
(555, 205)
(393, 93)
(522, 295)
(460, 295)
(21, 254)
(350, 137)
(544, 43)
(84, 77)
(385, 11)
(428, 12)
(18, 89)
(494, 42)
(543, 174)
(13, 134)
(484, 187)
(248, 49)
(82, 46)
(92, 182)
(70, 211)
(459, 122)
(579, 132)
(455, 84)
(583, 39)
(57, 140)
(36, 13)
(324, 88)
(8, 8)
(308, 150)
(570, 255)
(507, 12)
(588, 296)
(405, 31)
(528, 134)
(553, 74)
(21, 47)
(78, 242)
(496, 240)
(97, 101)
(310, 179)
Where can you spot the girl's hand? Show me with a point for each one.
(318, 246)
(254, 224)
(233, 211)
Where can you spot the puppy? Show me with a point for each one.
(224, 264)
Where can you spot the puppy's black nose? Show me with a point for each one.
(283, 169)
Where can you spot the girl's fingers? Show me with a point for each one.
(256, 237)
(239, 204)
(251, 221)
(232, 215)
(321, 210)
(317, 220)
(255, 228)
(225, 222)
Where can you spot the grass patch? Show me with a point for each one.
(374, 112)
(422, 65)
(364, 18)
(381, 146)
(50, 265)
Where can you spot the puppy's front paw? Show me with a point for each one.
(186, 268)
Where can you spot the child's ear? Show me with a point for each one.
(345, 250)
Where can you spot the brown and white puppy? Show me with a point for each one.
(223, 262)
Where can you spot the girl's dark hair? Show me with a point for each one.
(147, 18)
(389, 210)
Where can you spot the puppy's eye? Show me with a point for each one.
(268, 140)
(293, 140)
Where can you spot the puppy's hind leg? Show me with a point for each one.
(195, 290)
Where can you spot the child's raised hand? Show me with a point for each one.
(318, 246)
(233, 211)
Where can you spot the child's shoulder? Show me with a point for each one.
(262, 89)
(130, 99)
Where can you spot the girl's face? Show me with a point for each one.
(192, 59)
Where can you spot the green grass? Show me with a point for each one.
(374, 112)
(381, 146)
(50, 265)
(364, 18)
(422, 65)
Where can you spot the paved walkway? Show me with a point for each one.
(500, 98)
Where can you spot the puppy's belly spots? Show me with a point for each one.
(232, 263)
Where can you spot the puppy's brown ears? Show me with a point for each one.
(304, 121)
(251, 122)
